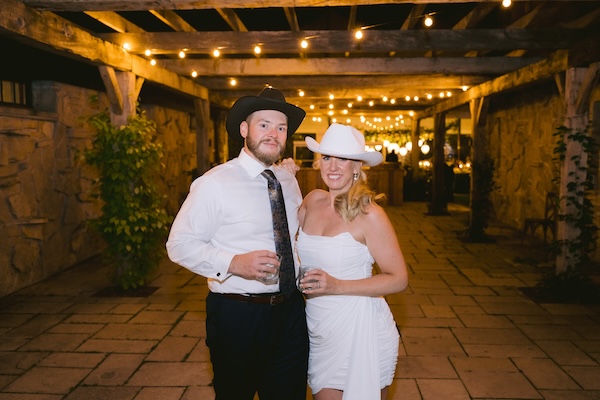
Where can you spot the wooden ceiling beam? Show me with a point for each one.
(128, 5)
(545, 69)
(344, 41)
(347, 66)
(345, 87)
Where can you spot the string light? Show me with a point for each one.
(301, 93)
(194, 74)
(428, 22)
(506, 3)
(232, 82)
(358, 34)
(126, 46)
(182, 54)
(257, 49)
(304, 44)
(148, 52)
(216, 53)
(153, 62)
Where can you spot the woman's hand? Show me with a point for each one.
(317, 281)
(289, 165)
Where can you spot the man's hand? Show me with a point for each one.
(254, 265)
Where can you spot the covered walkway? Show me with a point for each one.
(468, 332)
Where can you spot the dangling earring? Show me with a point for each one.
(355, 176)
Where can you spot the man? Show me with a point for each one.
(256, 334)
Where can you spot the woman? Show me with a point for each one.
(353, 337)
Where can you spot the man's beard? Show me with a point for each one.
(265, 158)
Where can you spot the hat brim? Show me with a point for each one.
(370, 158)
(245, 106)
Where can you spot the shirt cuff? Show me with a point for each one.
(222, 263)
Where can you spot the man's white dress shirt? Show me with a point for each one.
(228, 212)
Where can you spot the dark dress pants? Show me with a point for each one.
(257, 348)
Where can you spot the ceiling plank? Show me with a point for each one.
(475, 16)
(342, 41)
(292, 18)
(348, 66)
(173, 20)
(128, 5)
(114, 21)
(232, 19)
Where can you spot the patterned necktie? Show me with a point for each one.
(281, 233)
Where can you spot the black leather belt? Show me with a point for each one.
(266, 298)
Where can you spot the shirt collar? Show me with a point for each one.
(252, 167)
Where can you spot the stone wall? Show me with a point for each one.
(46, 196)
(520, 128)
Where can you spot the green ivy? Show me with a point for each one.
(133, 222)
(576, 198)
(573, 282)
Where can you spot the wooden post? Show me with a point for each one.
(414, 171)
(122, 89)
(478, 199)
(202, 108)
(439, 203)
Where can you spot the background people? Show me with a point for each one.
(353, 337)
(256, 334)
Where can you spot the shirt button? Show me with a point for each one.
(218, 274)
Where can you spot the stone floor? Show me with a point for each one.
(468, 332)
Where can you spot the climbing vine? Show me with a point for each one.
(577, 211)
(133, 222)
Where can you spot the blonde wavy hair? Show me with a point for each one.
(354, 202)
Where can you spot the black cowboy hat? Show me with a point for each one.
(268, 99)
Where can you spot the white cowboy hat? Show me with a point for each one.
(344, 141)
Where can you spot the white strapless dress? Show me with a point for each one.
(353, 339)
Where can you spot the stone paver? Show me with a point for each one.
(468, 332)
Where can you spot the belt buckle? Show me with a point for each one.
(273, 300)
